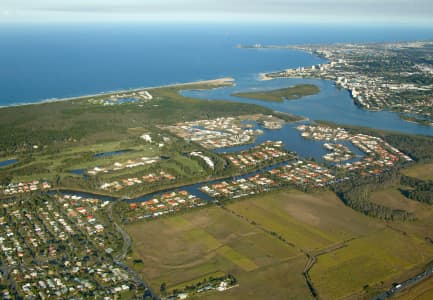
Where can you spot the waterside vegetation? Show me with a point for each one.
(279, 95)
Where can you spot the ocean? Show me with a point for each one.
(40, 62)
(44, 62)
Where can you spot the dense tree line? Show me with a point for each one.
(15, 139)
(419, 148)
(356, 193)
(421, 190)
(22, 127)
(358, 199)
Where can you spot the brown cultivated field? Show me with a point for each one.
(263, 241)
(184, 248)
(310, 221)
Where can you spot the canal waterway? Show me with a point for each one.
(193, 189)
(293, 141)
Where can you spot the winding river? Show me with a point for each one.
(331, 104)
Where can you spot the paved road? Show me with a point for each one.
(120, 258)
(410, 282)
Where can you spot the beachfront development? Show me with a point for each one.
(120, 98)
(394, 76)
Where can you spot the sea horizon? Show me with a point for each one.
(45, 63)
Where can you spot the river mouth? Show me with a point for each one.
(330, 104)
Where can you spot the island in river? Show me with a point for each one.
(279, 95)
(380, 76)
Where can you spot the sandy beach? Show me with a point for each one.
(264, 77)
(215, 82)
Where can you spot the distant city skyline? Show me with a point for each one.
(309, 11)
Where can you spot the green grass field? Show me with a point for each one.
(310, 222)
(421, 171)
(382, 256)
(290, 93)
(243, 239)
(392, 197)
(186, 248)
(423, 212)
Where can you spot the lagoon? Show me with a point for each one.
(8, 162)
(111, 153)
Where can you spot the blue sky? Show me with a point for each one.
(329, 11)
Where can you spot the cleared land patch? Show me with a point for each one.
(308, 221)
(421, 171)
(261, 241)
(237, 258)
(393, 198)
(187, 248)
(382, 256)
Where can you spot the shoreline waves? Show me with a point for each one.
(216, 82)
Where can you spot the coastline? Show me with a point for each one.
(216, 82)
(265, 76)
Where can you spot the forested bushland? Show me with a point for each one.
(420, 148)
(419, 190)
(356, 193)
(59, 123)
